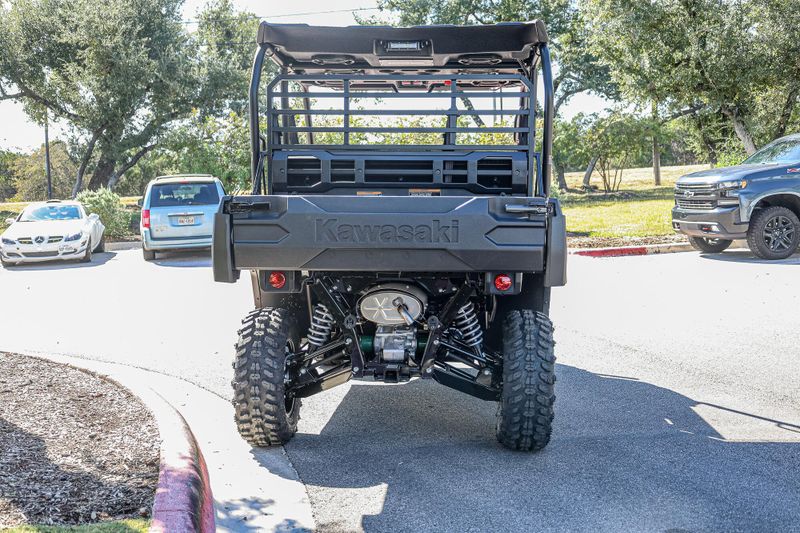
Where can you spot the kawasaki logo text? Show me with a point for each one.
(331, 230)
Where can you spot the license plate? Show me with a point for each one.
(185, 221)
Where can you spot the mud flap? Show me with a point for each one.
(555, 274)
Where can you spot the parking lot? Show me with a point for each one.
(678, 399)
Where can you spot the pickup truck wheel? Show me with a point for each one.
(264, 415)
(709, 246)
(525, 413)
(148, 255)
(774, 233)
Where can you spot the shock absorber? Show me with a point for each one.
(467, 323)
(321, 325)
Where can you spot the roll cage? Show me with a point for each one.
(312, 150)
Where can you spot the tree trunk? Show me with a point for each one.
(562, 180)
(741, 130)
(656, 147)
(87, 156)
(786, 112)
(587, 176)
(103, 172)
(656, 161)
(112, 182)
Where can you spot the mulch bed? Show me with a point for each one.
(614, 242)
(74, 447)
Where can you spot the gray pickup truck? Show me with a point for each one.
(758, 200)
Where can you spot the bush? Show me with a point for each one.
(109, 207)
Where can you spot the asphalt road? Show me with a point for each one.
(678, 396)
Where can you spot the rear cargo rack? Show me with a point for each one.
(452, 106)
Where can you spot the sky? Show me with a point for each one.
(19, 133)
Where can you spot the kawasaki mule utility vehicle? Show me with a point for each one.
(400, 224)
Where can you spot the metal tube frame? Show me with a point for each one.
(539, 165)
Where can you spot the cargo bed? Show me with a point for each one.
(385, 233)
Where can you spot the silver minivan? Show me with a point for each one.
(178, 213)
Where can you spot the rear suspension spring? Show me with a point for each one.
(321, 325)
(467, 323)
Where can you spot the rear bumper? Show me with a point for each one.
(185, 243)
(719, 223)
(386, 233)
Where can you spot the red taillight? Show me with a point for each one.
(277, 280)
(503, 282)
(145, 218)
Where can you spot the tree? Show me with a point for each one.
(615, 139)
(8, 161)
(711, 56)
(29, 177)
(570, 144)
(120, 73)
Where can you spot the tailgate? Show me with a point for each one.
(379, 233)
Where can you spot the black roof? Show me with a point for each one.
(504, 47)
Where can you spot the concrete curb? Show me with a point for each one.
(123, 245)
(255, 489)
(183, 500)
(649, 249)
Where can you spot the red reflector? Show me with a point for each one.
(145, 218)
(503, 282)
(277, 280)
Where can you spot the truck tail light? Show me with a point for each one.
(146, 218)
(503, 282)
(277, 280)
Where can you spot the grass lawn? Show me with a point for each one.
(122, 526)
(639, 209)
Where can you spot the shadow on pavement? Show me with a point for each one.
(625, 455)
(746, 256)
(98, 259)
(188, 259)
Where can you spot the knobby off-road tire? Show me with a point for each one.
(525, 413)
(709, 246)
(774, 233)
(263, 415)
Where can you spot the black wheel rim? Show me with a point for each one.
(778, 233)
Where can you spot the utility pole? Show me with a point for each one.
(47, 157)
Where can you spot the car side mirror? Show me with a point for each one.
(94, 216)
(10, 221)
(140, 202)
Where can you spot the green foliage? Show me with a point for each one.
(122, 74)
(615, 139)
(30, 180)
(209, 145)
(730, 156)
(108, 206)
(8, 161)
(732, 60)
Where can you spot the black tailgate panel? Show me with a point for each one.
(378, 233)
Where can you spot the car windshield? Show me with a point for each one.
(51, 212)
(783, 151)
(173, 194)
